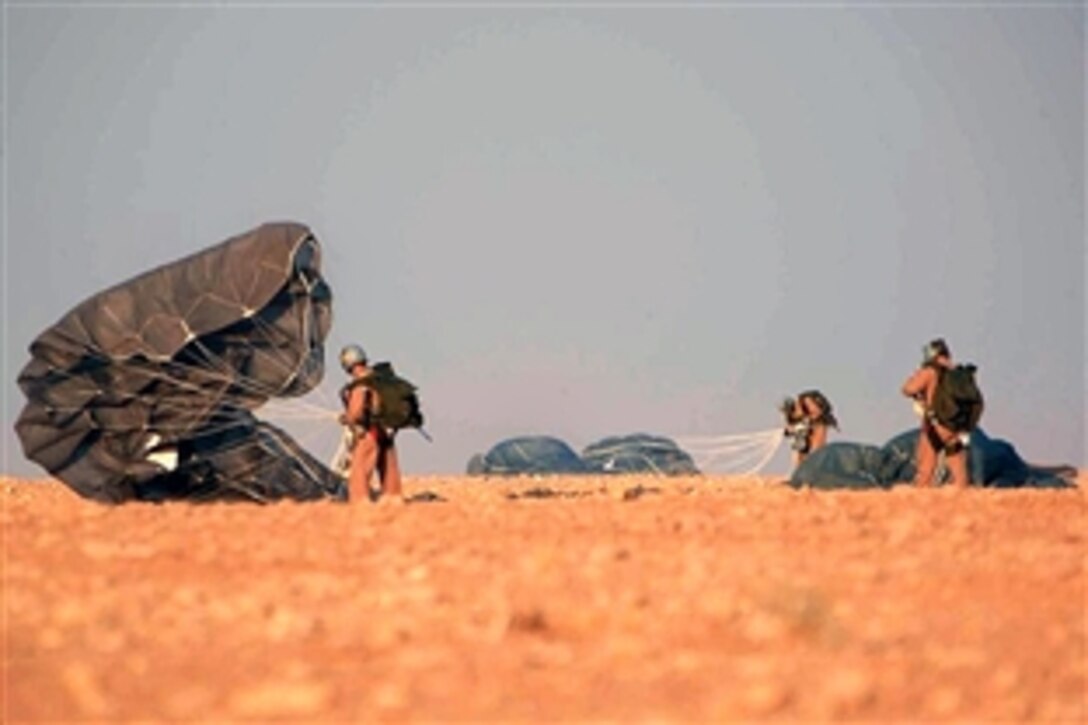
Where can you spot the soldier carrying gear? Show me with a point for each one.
(950, 404)
(807, 420)
(372, 447)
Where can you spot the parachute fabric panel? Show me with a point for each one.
(739, 454)
(992, 463)
(638, 453)
(900, 456)
(173, 361)
(527, 455)
(996, 463)
(841, 465)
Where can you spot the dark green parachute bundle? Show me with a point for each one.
(957, 402)
(398, 405)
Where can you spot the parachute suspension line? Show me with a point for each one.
(244, 382)
(228, 424)
(772, 441)
(218, 414)
(620, 447)
(316, 438)
(730, 442)
(742, 454)
(270, 335)
(718, 440)
(212, 406)
(266, 463)
(223, 422)
(264, 327)
(231, 484)
(299, 408)
(267, 332)
(219, 369)
(289, 413)
(253, 470)
(235, 446)
(222, 419)
(340, 461)
(649, 445)
(257, 467)
(167, 372)
(653, 465)
(193, 463)
(228, 376)
(301, 460)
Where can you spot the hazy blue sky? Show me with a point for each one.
(586, 221)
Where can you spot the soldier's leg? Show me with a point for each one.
(389, 468)
(926, 457)
(800, 444)
(955, 457)
(957, 466)
(364, 458)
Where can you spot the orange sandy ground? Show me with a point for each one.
(690, 599)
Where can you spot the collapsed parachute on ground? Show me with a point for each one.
(527, 455)
(146, 390)
(638, 453)
(843, 465)
(991, 462)
(545, 455)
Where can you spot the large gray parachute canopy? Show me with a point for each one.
(146, 390)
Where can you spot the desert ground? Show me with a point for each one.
(541, 599)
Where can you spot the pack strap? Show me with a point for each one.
(345, 397)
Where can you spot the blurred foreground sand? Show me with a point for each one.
(685, 599)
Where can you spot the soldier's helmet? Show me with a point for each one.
(351, 356)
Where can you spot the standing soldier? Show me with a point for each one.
(808, 418)
(950, 405)
(372, 445)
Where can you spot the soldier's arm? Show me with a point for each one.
(916, 384)
(357, 405)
